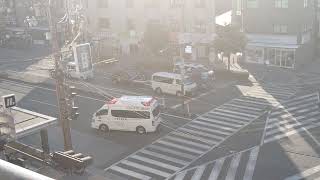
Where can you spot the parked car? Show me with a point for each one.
(171, 83)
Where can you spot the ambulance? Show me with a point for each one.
(128, 113)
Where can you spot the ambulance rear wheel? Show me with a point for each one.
(141, 130)
(104, 128)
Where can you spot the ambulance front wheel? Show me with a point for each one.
(104, 128)
(141, 130)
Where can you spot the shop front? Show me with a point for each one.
(272, 50)
(274, 56)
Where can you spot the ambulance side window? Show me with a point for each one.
(102, 112)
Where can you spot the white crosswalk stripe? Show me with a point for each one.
(292, 117)
(189, 142)
(304, 174)
(214, 169)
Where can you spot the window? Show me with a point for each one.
(151, 3)
(131, 114)
(252, 3)
(102, 112)
(280, 28)
(130, 24)
(176, 3)
(85, 2)
(104, 23)
(102, 3)
(129, 3)
(174, 25)
(305, 3)
(163, 79)
(200, 3)
(305, 28)
(200, 26)
(239, 7)
(281, 3)
(156, 111)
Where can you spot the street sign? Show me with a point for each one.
(83, 58)
(9, 101)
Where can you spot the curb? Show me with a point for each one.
(47, 83)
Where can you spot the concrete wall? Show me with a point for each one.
(262, 19)
(140, 14)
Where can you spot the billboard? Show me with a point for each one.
(83, 57)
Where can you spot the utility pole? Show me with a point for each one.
(59, 76)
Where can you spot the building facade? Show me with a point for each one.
(123, 22)
(279, 32)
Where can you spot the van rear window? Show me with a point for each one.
(156, 111)
(131, 114)
(163, 79)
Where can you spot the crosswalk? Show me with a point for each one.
(175, 151)
(312, 173)
(236, 166)
(292, 117)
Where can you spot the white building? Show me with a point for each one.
(124, 21)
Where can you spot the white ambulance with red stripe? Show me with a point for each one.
(128, 113)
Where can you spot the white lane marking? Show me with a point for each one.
(198, 174)
(224, 128)
(251, 164)
(162, 156)
(290, 126)
(216, 169)
(289, 133)
(194, 137)
(180, 117)
(273, 124)
(304, 174)
(155, 162)
(42, 103)
(233, 167)
(177, 139)
(222, 121)
(241, 118)
(43, 88)
(145, 168)
(199, 132)
(237, 113)
(130, 173)
(177, 153)
(288, 117)
(181, 147)
(180, 176)
(243, 107)
(208, 129)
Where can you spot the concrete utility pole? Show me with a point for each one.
(59, 76)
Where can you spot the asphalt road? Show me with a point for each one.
(105, 148)
(285, 146)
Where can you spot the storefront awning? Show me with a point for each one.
(29, 122)
(272, 41)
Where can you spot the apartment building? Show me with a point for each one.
(123, 22)
(280, 32)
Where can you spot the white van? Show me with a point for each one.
(128, 113)
(170, 83)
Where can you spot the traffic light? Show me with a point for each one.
(73, 110)
(73, 113)
(76, 162)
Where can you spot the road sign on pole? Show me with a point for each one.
(9, 101)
